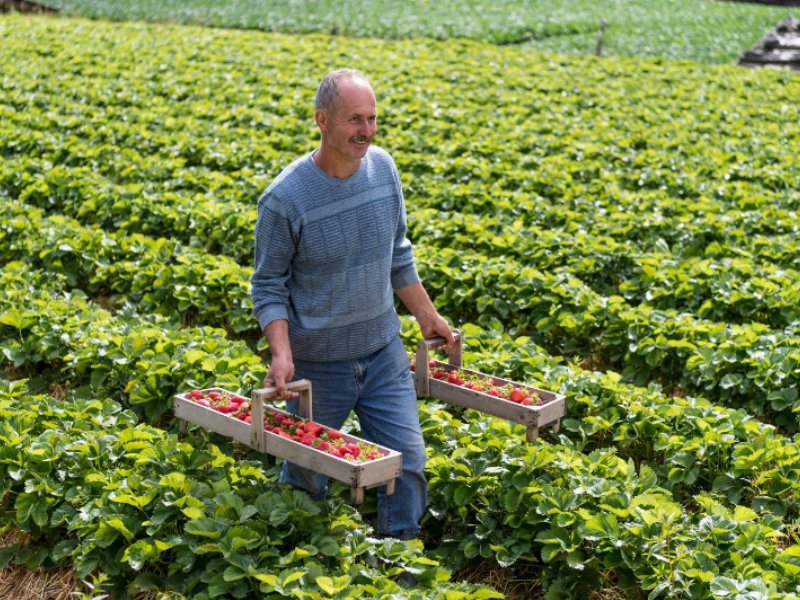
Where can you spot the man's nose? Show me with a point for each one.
(368, 128)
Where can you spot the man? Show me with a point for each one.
(331, 249)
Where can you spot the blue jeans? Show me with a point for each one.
(381, 390)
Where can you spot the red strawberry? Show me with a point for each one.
(516, 395)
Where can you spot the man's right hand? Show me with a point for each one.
(281, 371)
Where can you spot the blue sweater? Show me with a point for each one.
(329, 254)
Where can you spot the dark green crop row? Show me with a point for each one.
(729, 283)
(54, 334)
(746, 365)
(158, 276)
(680, 29)
(84, 482)
(483, 495)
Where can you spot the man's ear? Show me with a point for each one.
(322, 120)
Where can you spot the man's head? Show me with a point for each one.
(347, 116)
(327, 97)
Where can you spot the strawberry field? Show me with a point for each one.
(620, 231)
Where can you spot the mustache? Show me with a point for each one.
(360, 138)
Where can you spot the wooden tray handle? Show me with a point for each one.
(259, 397)
(454, 357)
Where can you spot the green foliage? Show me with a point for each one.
(621, 231)
(583, 516)
(141, 360)
(87, 483)
(711, 32)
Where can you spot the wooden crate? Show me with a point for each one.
(534, 417)
(358, 475)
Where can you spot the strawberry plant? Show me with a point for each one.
(86, 483)
(637, 253)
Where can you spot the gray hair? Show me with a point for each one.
(327, 98)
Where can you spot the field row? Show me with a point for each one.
(745, 365)
(84, 482)
(715, 32)
(731, 283)
(702, 451)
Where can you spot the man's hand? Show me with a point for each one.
(437, 326)
(281, 371)
(431, 323)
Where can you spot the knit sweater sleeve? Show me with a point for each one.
(274, 247)
(404, 271)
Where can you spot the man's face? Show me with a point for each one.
(348, 130)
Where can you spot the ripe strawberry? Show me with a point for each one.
(516, 395)
(454, 378)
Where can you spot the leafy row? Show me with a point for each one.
(587, 519)
(158, 276)
(697, 466)
(84, 482)
(58, 335)
(751, 366)
(746, 365)
(720, 286)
